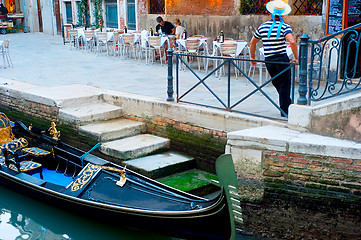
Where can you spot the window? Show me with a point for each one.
(253, 6)
(131, 16)
(156, 7)
(299, 7)
(308, 7)
(68, 12)
(111, 11)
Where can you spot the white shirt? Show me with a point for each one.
(179, 30)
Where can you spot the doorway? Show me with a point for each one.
(57, 16)
(40, 16)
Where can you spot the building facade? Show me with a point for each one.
(236, 18)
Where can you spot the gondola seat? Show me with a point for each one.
(8, 143)
(13, 145)
(36, 152)
(28, 167)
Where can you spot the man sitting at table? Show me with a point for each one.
(3, 12)
(166, 27)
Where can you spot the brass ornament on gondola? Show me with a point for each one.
(54, 132)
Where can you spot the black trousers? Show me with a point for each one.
(282, 83)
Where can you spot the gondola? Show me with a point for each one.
(41, 166)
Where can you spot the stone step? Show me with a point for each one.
(97, 111)
(134, 147)
(162, 164)
(112, 129)
(193, 181)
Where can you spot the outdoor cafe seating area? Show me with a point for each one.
(143, 48)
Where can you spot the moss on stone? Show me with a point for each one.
(188, 181)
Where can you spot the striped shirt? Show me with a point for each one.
(273, 45)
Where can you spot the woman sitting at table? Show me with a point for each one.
(179, 29)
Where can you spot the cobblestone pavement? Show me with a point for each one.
(43, 60)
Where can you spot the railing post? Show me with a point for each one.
(170, 90)
(302, 89)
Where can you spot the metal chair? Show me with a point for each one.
(128, 44)
(114, 44)
(74, 40)
(89, 40)
(101, 40)
(154, 45)
(228, 50)
(6, 54)
(192, 47)
(261, 66)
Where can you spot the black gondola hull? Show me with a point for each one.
(208, 219)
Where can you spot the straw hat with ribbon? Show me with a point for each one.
(280, 8)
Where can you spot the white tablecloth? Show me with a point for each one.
(240, 46)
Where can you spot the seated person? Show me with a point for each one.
(166, 27)
(3, 12)
(179, 29)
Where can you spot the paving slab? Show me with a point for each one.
(89, 113)
(55, 64)
(112, 129)
(162, 164)
(136, 146)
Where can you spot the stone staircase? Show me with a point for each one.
(125, 139)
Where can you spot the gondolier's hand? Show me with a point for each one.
(253, 64)
(295, 60)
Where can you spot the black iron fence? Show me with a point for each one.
(227, 101)
(329, 66)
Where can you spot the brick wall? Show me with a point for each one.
(35, 109)
(309, 176)
(201, 7)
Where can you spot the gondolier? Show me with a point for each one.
(274, 34)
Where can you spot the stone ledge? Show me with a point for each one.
(287, 140)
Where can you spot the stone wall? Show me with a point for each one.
(237, 26)
(339, 117)
(206, 7)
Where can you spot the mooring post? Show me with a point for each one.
(302, 89)
(170, 90)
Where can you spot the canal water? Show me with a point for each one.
(24, 218)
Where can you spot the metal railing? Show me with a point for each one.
(228, 63)
(333, 68)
